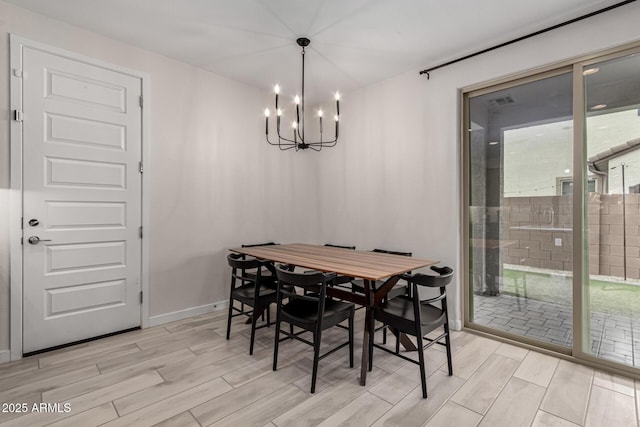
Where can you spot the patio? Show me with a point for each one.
(524, 307)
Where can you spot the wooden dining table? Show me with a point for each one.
(369, 266)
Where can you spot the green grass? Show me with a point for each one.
(604, 297)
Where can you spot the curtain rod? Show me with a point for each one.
(571, 21)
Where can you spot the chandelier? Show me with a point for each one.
(297, 141)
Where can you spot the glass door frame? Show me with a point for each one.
(578, 352)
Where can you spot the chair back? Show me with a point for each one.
(260, 244)
(331, 245)
(311, 282)
(241, 265)
(240, 262)
(441, 281)
(386, 251)
(313, 285)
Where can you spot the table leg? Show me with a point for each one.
(367, 333)
(407, 343)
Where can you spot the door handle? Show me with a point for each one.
(34, 240)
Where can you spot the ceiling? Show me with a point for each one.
(354, 43)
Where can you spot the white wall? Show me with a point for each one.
(215, 183)
(392, 181)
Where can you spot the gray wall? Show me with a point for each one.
(214, 183)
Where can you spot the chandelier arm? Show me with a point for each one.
(324, 143)
(280, 145)
(286, 139)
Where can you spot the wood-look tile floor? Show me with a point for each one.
(186, 374)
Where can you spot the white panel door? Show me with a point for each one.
(82, 200)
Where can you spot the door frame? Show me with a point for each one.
(16, 45)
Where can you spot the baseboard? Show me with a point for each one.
(456, 325)
(188, 312)
(5, 356)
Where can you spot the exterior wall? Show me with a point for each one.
(538, 232)
(619, 235)
(531, 225)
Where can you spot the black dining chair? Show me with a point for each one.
(401, 288)
(413, 315)
(249, 288)
(308, 309)
(268, 271)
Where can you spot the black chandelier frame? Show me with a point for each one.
(298, 141)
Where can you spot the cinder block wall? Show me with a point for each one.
(537, 232)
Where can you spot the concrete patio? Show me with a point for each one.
(613, 337)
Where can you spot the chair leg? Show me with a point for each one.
(351, 339)
(229, 317)
(268, 315)
(421, 360)
(397, 334)
(254, 318)
(316, 357)
(448, 346)
(276, 342)
(370, 343)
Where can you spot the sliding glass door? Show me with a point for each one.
(520, 208)
(527, 142)
(612, 145)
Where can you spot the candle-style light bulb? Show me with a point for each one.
(266, 121)
(336, 117)
(319, 113)
(276, 89)
(296, 100)
(278, 115)
(294, 125)
(267, 113)
(320, 116)
(337, 96)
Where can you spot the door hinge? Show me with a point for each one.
(17, 115)
(140, 297)
(141, 99)
(140, 231)
(17, 72)
(140, 167)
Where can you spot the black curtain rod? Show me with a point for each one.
(498, 46)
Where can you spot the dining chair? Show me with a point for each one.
(401, 288)
(249, 288)
(413, 315)
(268, 271)
(308, 309)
